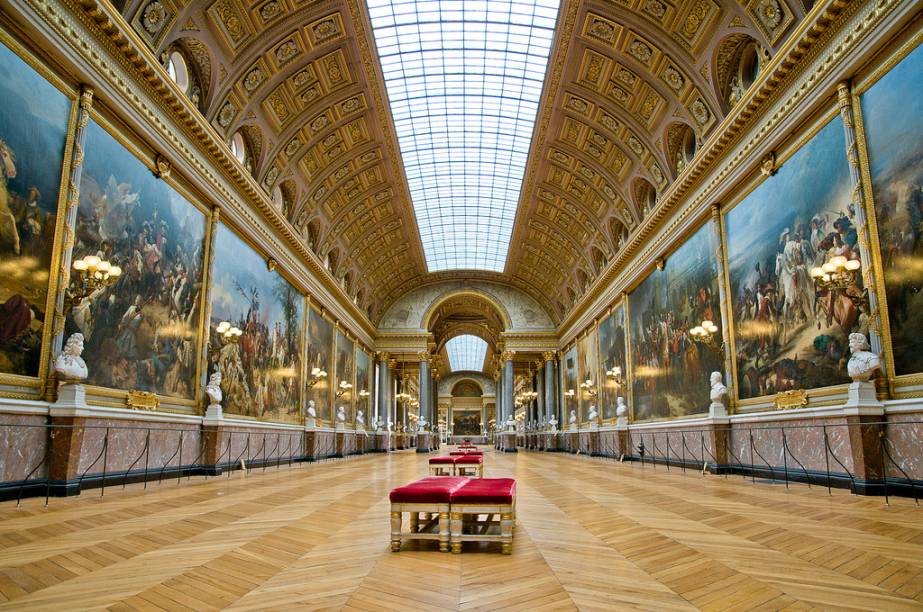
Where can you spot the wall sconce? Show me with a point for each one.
(837, 274)
(705, 333)
(402, 397)
(615, 375)
(589, 387)
(363, 394)
(570, 393)
(90, 274)
(227, 334)
(344, 388)
(317, 375)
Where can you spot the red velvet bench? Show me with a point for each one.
(483, 496)
(442, 466)
(469, 465)
(430, 496)
(462, 453)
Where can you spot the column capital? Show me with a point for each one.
(384, 356)
(507, 356)
(392, 363)
(424, 356)
(548, 356)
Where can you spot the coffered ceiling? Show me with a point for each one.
(628, 82)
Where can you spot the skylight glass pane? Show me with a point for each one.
(464, 88)
(466, 353)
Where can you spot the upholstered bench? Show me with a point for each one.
(442, 466)
(469, 465)
(465, 453)
(429, 496)
(488, 497)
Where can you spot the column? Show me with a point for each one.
(498, 393)
(381, 409)
(507, 359)
(540, 389)
(723, 303)
(425, 386)
(844, 96)
(393, 382)
(550, 403)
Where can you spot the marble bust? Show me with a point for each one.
(213, 389)
(719, 391)
(511, 423)
(621, 410)
(312, 409)
(360, 419)
(864, 363)
(553, 423)
(573, 417)
(341, 414)
(593, 415)
(69, 365)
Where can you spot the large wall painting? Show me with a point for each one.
(364, 383)
(346, 373)
(670, 370)
(891, 112)
(571, 389)
(320, 349)
(33, 127)
(612, 359)
(141, 332)
(787, 335)
(587, 374)
(262, 371)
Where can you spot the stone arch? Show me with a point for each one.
(498, 307)
(467, 387)
(737, 60)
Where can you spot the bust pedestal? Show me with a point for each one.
(310, 423)
(862, 394)
(71, 395)
(340, 426)
(717, 410)
(214, 412)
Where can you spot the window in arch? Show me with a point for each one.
(239, 148)
(278, 200)
(466, 353)
(178, 70)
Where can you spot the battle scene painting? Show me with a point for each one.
(33, 129)
(261, 371)
(612, 360)
(789, 335)
(141, 332)
(587, 374)
(670, 368)
(466, 422)
(891, 112)
(364, 383)
(571, 386)
(346, 373)
(320, 348)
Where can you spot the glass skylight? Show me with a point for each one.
(464, 79)
(466, 353)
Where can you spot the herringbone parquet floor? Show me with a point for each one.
(591, 534)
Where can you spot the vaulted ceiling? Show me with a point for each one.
(632, 87)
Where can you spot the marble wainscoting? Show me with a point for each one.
(256, 445)
(904, 444)
(804, 439)
(319, 444)
(23, 447)
(689, 443)
(135, 446)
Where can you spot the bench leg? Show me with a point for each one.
(395, 531)
(444, 538)
(455, 536)
(414, 522)
(506, 532)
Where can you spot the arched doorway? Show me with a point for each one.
(466, 411)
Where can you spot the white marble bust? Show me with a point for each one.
(864, 363)
(312, 409)
(341, 414)
(621, 409)
(511, 423)
(718, 390)
(573, 417)
(360, 419)
(213, 389)
(69, 365)
(593, 415)
(421, 423)
(553, 423)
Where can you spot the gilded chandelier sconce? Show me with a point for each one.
(615, 375)
(343, 388)
(317, 375)
(90, 273)
(227, 334)
(838, 274)
(705, 333)
(589, 388)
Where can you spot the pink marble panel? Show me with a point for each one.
(805, 441)
(904, 442)
(23, 443)
(127, 441)
(669, 443)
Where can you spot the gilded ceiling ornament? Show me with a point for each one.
(286, 51)
(154, 17)
(334, 72)
(278, 106)
(325, 29)
(695, 18)
(599, 139)
(228, 111)
(627, 76)
(610, 193)
(270, 10)
(640, 51)
(673, 78)
(334, 152)
(602, 30)
(271, 176)
(368, 157)
(253, 79)
(292, 147)
(559, 157)
(341, 172)
(657, 173)
(578, 105)
(320, 123)
(587, 172)
(635, 145)
(770, 13)
(352, 105)
(229, 18)
(655, 9)
(320, 193)
(609, 122)
(700, 111)
(619, 95)
(650, 103)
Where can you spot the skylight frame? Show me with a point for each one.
(464, 79)
(466, 353)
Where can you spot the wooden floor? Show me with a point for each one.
(591, 534)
